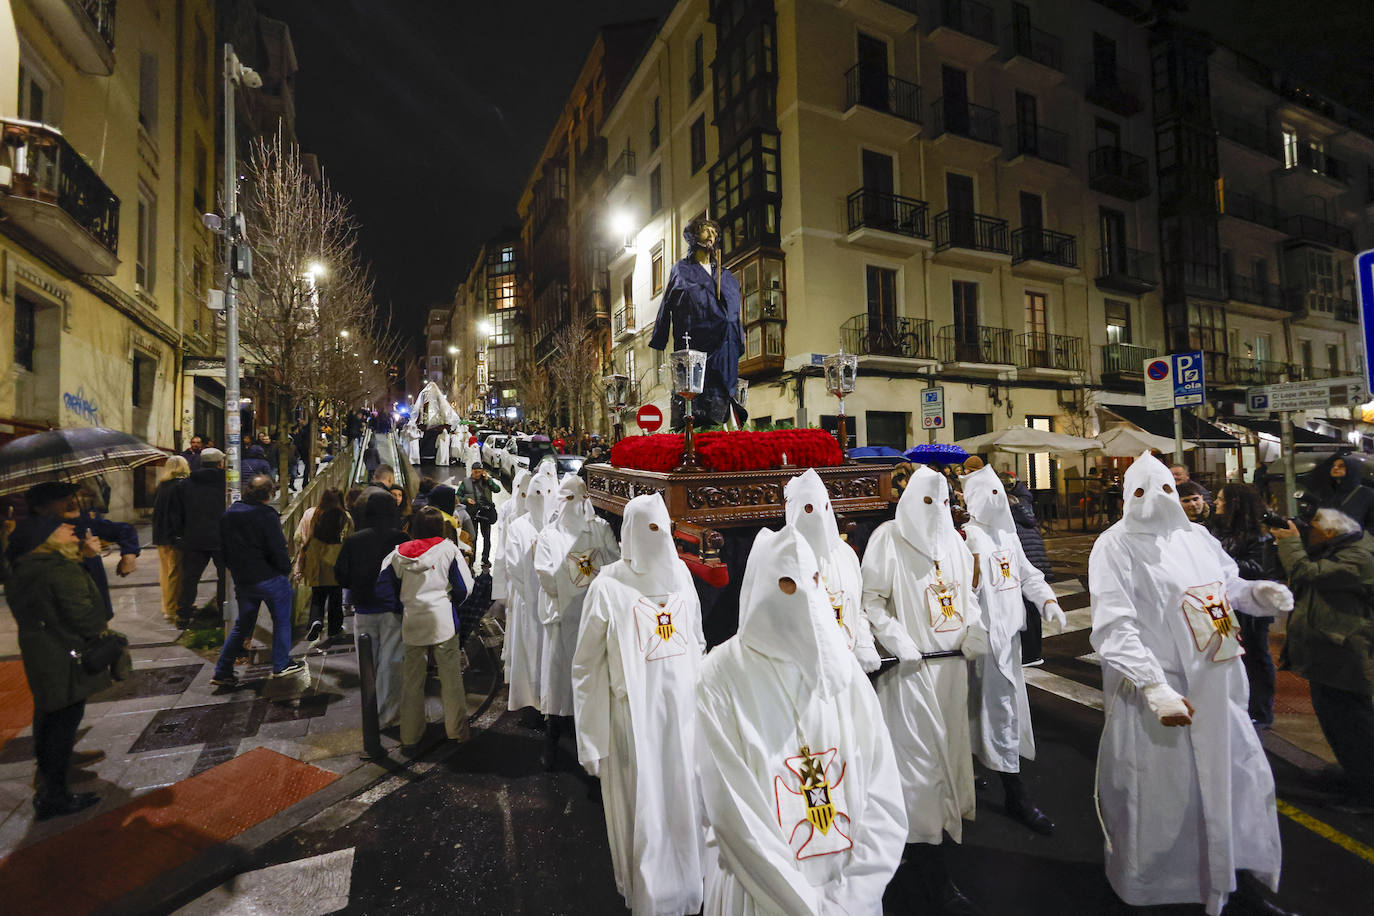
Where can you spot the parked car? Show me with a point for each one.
(569, 464)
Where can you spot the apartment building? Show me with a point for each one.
(106, 170)
(436, 346)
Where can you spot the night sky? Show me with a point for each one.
(429, 114)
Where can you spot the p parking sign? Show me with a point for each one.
(933, 408)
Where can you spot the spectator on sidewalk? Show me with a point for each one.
(255, 552)
(1238, 513)
(1339, 485)
(1195, 505)
(174, 473)
(61, 500)
(1033, 546)
(1181, 477)
(195, 509)
(360, 559)
(59, 610)
(319, 539)
(427, 579)
(458, 524)
(1331, 638)
(192, 453)
(422, 493)
(475, 492)
(255, 463)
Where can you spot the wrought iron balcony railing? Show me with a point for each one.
(966, 120)
(1125, 359)
(1243, 205)
(1046, 49)
(1257, 292)
(1120, 266)
(1250, 134)
(623, 320)
(873, 209)
(1312, 229)
(962, 229)
(623, 167)
(1114, 171)
(877, 90)
(1324, 303)
(1319, 162)
(1032, 243)
(1115, 89)
(871, 335)
(976, 344)
(968, 17)
(1038, 350)
(102, 15)
(1040, 142)
(47, 168)
(1242, 370)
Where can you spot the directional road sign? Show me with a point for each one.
(1364, 283)
(933, 408)
(1176, 380)
(1314, 395)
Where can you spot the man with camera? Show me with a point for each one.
(1331, 639)
(476, 493)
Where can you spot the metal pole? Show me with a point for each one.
(232, 444)
(1178, 435)
(367, 675)
(1290, 477)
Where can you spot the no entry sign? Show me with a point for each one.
(649, 418)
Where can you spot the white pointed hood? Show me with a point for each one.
(518, 488)
(923, 513)
(985, 497)
(646, 546)
(1151, 502)
(798, 628)
(539, 499)
(808, 510)
(573, 507)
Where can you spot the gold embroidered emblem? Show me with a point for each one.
(819, 809)
(812, 815)
(664, 627)
(941, 604)
(1211, 620)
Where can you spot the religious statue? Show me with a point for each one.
(702, 302)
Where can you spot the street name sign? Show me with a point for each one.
(1314, 395)
(1176, 380)
(933, 408)
(649, 418)
(1364, 285)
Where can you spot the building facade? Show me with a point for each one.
(107, 146)
(489, 331)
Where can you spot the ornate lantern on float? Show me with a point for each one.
(841, 374)
(617, 388)
(742, 394)
(688, 369)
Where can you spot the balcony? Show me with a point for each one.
(1041, 355)
(881, 103)
(1312, 229)
(1126, 270)
(1125, 362)
(891, 15)
(973, 239)
(59, 200)
(976, 349)
(1186, 277)
(972, 131)
(1039, 252)
(888, 341)
(1316, 169)
(623, 322)
(84, 29)
(622, 168)
(887, 222)
(1035, 149)
(1114, 171)
(963, 32)
(1320, 306)
(1115, 89)
(1251, 209)
(1243, 372)
(591, 164)
(1251, 135)
(1034, 56)
(1255, 297)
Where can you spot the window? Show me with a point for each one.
(145, 373)
(746, 193)
(147, 91)
(1290, 148)
(965, 296)
(696, 77)
(24, 332)
(656, 189)
(630, 370)
(831, 424)
(1333, 358)
(656, 269)
(968, 425)
(881, 284)
(1305, 354)
(1035, 313)
(1041, 467)
(202, 178)
(145, 265)
(698, 143)
(1118, 321)
(887, 427)
(745, 76)
(39, 88)
(655, 125)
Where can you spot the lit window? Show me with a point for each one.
(145, 265)
(656, 269)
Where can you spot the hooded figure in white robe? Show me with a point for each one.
(918, 582)
(808, 510)
(507, 512)
(441, 448)
(524, 629)
(1000, 710)
(412, 435)
(634, 677)
(1185, 793)
(797, 773)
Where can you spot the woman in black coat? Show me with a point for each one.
(1033, 546)
(1238, 510)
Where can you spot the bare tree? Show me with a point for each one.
(536, 390)
(574, 370)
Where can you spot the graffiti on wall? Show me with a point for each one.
(82, 406)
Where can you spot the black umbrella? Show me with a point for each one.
(71, 454)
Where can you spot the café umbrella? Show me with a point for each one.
(1024, 440)
(71, 454)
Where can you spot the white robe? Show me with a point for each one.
(524, 632)
(1182, 807)
(412, 437)
(925, 704)
(635, 700)
(566, 566)
(1001, 711)
(441, 449)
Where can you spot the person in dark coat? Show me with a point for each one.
(1237, 521)
(702, 300)
(1033, 546)
(255, 552)
(175, 472)
(192, 453)
(195, 510)
(255, 462)
(60, 500)
(1339, 485)
(59, 610)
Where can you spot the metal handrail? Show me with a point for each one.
(48, 168)
(976, 344)
(1121, 358)
(868, 335)
(1040, 142)
(1121, 261)
(977, 122)
(970, 18)
(1039, 350)
(869, 208)
(964, 229)
(1043, 47)
(1033, 243)
(882, 92)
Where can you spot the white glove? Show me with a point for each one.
(1167, 703)
(1271, 596)
(593, 767)
(975, 644)
(1054, 614)
(868, 659)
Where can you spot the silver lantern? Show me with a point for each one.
(841, 371)
(742, 391)
(689, 371)
(617, 388)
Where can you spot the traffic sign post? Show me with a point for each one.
(933, 410)
(1290, 396)
(649, 418)
(1175, 381)
(1364, 285)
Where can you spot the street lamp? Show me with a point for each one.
(484, 328)
(453, 351)
(343, 333)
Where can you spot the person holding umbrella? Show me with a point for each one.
(56, 499)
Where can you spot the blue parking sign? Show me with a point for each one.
(1364, 283)
(1190, 384)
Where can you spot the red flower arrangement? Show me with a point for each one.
(731, 451)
